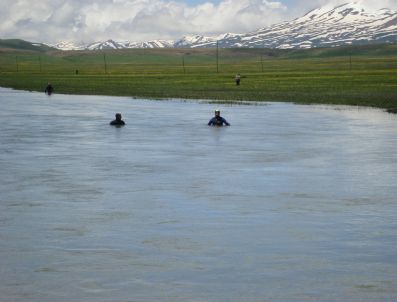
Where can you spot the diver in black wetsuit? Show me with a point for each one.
(49, 89)
(217, 120)
(118, 121)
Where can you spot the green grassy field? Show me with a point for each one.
(365, 75)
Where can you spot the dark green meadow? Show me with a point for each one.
(365, 75)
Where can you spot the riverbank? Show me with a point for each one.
(360, 80)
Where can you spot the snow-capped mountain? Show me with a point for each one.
(188, 41)
(151, 44)
(345, 24)
(202, 41)
(350, 23)
(110, 44)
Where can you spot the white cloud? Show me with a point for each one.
(138, 20)
(89, 20)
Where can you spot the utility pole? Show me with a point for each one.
(217, 57)
(104, 62)
(350, 61)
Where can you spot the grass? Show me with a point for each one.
(353, 76)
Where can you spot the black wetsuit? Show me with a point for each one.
(49, 89)
(117, 123)
(218, 121)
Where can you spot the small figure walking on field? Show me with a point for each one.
(49, 89)
(237, 79)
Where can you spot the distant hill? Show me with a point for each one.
(389, 49)
(17, 44)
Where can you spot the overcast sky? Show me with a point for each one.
(52, 21)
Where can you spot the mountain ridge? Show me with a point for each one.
(18, 44)
(346, 24)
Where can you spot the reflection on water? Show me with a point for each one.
(290, 203)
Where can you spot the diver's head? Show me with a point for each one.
(118, 116)
(217, 112)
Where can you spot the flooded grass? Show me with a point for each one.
(392, 110)
(369, 81)
(232, 103)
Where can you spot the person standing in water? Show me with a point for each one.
(217, 120)
(49, 89)
(118, 121)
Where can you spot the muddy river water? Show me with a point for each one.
(289, 203)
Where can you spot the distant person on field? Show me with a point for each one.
(118, 121)
(49, 89)
(237, 78)
(217, 120)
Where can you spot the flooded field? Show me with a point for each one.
(290, 203)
